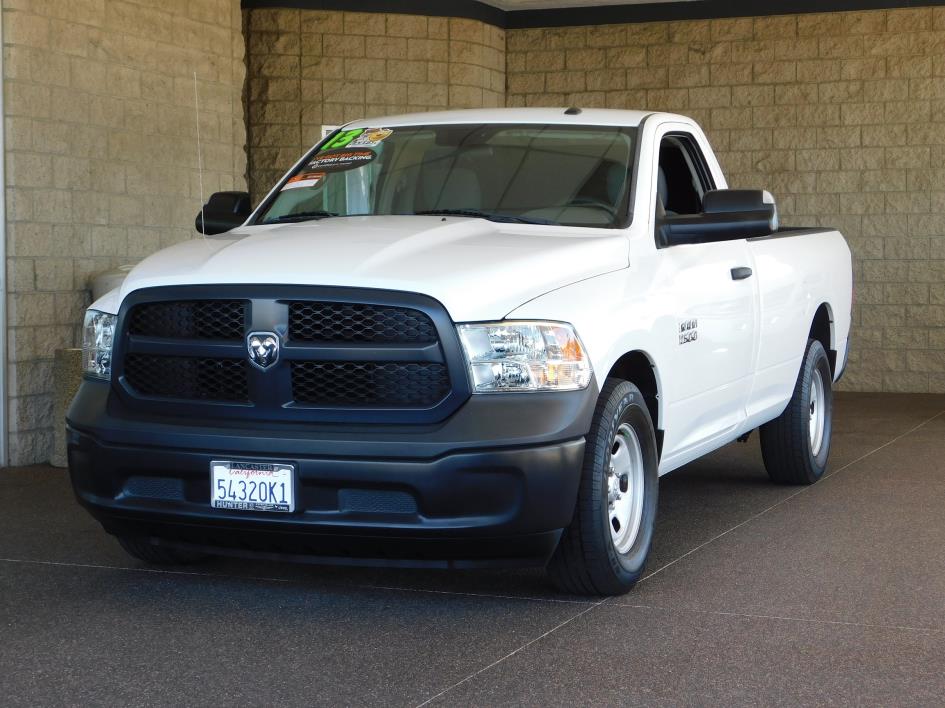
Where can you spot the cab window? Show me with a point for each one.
(682, 179)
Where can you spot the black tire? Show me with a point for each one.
(144, 550)
(586, 561)
(786, 444)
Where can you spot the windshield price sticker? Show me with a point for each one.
(357, 137)
(304, 179)
(371, 137)
(341, 160)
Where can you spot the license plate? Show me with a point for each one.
(252, 486)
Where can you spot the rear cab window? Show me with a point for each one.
(683, 176)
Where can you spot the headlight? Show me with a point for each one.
(98, 333)
(524, 356)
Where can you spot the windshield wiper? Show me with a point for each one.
(300, 216)
(477, 214)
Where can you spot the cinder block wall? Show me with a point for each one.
(841, 115)
(101, 160)
(310, 68)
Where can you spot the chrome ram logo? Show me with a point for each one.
(263, 349)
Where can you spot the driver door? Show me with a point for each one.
(713, 355)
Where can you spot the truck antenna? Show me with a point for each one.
(203, 222)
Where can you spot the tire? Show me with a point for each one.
(794, 451)
(591, 559)
(151, 553)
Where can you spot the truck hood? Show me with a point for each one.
(478, 269)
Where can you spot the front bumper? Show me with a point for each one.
(493, 484)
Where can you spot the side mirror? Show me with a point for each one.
(727, 214)
(222, 212)
(757, 203)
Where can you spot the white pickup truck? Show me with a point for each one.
(459, 339)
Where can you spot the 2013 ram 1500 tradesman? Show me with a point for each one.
(456, 339)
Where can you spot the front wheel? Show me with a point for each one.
(795, 445)
(604, 549)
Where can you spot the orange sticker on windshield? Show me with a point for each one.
(371, 137)
(304, 179)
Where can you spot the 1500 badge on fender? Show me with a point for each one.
(688, 331)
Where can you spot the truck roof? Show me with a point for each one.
(586, 116)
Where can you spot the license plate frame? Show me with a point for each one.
(252, 486)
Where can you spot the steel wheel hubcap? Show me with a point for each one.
(625, 488)
(818, 413)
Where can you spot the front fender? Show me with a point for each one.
(613, 317)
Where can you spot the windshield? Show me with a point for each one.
(544, 174)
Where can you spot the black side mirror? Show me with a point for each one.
(757, 203)
(727, 214)
(222, 212)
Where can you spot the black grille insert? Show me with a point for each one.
(355, 322)
(411, 385)
(187, 377)
(347, 356)
(189, 319)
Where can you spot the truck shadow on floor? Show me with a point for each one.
(697, 502)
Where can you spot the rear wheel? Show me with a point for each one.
(796, 444)
(604, 549)
(144, 550)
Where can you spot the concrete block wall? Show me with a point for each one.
(101, 161)
(310, 68)
(841, 115)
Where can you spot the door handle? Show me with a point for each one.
(741, 273)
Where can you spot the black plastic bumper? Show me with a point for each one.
(495, 483)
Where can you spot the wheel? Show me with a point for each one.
(604, 549)
(796, 444)
(148, 552)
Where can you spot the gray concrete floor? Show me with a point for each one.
(756, 594)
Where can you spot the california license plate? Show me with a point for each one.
(252, 486)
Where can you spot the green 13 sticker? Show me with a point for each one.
(342, 139)
(358, 137)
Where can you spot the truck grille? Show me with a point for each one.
(194, 319)
(368, 383)
(377, 357)
(355, 322)
(188, 377)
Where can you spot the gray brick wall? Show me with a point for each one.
(309, 68)
(841, 115)
(101, 160)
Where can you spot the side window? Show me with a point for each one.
(683, 177)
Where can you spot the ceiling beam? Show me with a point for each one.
(594, 15)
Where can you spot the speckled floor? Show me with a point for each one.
(756, 594)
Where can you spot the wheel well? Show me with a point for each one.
(821, 330)
(637, 368)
